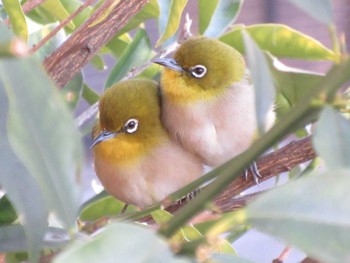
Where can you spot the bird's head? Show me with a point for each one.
(129, 122)
(203, 64)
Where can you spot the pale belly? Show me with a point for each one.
(216, 131)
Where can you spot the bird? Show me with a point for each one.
(208, 100)
(135, 159)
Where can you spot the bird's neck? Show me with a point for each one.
(181, 90)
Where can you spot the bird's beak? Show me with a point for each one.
(169, 63)
(103, 136)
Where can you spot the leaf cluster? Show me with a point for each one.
(41, 151)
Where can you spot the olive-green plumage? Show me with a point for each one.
(208, 100)
(224, 64)
(135, 159)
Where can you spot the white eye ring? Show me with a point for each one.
(131, 126)
(198, 71)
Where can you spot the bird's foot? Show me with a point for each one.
(189, 196)
(124, 208)
(255, 172)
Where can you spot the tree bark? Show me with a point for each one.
(270, 165)
(85, 42)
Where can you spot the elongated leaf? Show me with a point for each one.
(320, 10)
(262, 80)
(332, 140)
(205, 12)
(22, 189)
(137, 53)
(49, 46)
(187, 233)
(56, 9)
(90, 95)
(102, 205)
(13, 238)
(224, 15)
(280, 41)
(73, 90)
(98, 62)
(43, 135)
(292, 83)
(16, 15)
(149, 11)
(72, 5)
(7, 211)
(312, 213)
(169, 19)
(111, 246)
(118, 44)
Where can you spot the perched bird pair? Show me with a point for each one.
(144, 151)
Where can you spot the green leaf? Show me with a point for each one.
(71, 6)
(312, 213)
(22, 190)
(205, 12)
(292, 83)
(18, 22)
(331, 139)
(136, 54)
(169, 19)
(42, 133)
(280, 41)
(320, 10)
(151, 71)
(262, 81)
(102, 205)
(226, 173)
(7, 211)
(186, 233)
(149, 11)
(118, 44)
(13, 238)
(90, 95)
(73, 90)
(57, 10)
(50, 45)
(225, 14)
(98, 63)
(110, 246)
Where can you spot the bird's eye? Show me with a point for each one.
(198, 71)
(131, 126)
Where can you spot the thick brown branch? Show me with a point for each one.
(275, 163)
(282, 160)
(83, 44)
(60, 26)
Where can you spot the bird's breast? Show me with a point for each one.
(165, 169)
(216, 130)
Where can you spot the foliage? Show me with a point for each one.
(41, 149)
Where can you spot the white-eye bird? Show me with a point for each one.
(208, 100)
(134, 157)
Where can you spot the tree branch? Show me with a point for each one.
(84, 43)
(282, 160)
(60, 26)
(270, 165)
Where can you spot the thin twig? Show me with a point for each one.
(60, 26)
(283, 255)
